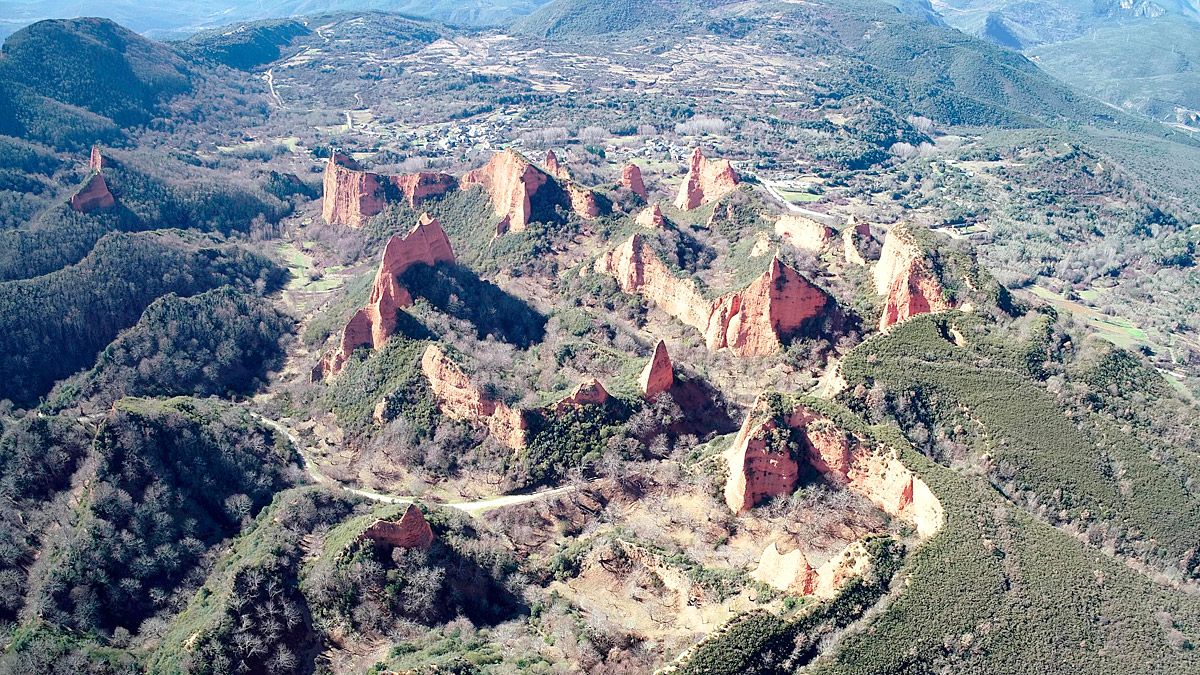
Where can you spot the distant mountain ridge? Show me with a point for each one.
(176, 18)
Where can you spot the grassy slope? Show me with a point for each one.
(997, 590)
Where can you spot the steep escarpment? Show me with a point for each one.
(776, 438)
(631, 179)
(750, 322)
(706, 181)
(352, 195)
(904, 278)
(460, 399)
(513, 184)
(803, 233)
(411, 530)
(659, 374)
(371, 326)
(94, 194)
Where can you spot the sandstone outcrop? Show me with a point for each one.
(631, 179)
(93, 196)
(706, 180)
(788, 572)
(589, 392)
(460, 399)
(750, 322)
(777, 304)
(96, 159)
(903, 277)
(761, 465)
(410, 531)
(659, 374)
(511, 183)
(583, 201)
(853, 241)
(803, 233)
(651, 218)
(352, 196)
(372, 325)
(555, 168)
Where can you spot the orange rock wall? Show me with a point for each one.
(410, 531)
(903, 278)
(372, 325)
(460, 399)
(659, 374)
(93, 196)
(511, 183)
(706, 181)
(631, 179)
(749, 322)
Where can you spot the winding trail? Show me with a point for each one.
(474, 507)
(269, 76)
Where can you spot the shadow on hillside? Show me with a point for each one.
(460, 293)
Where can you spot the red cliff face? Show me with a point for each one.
(651, 218)
(705, 181)
(556, 168)
(776, 305)
(589, 392)
(659, 374)
(460, 399)
(803, 233)
(96, 160)
(93, 196)
(511, 183)
(352, 196)
(757, 472)
(903, 278)
(410, 531)
(372, 325)
(631, 179)
(750, 322)
(583, 201)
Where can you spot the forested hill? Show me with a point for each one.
(72, 82)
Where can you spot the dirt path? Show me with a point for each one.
(269, 76)
(474, 507)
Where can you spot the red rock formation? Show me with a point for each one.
(96, 160)
(777, 304)
(903, 278)
(583, 201)
(589, 392)
(749, 323)
(790, 572)
(705, 181)
(511, 183)
(651, 218)
(372, 325)
(631, 179)
(352, 196)
(803, 233)
(843, 458)
(757, 470)
(410, 531)
(555, 168)
(415, 188)
(460, 399)
(638, 270)
(659, 374)
(93, 196)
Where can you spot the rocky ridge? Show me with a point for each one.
(750, 322)
(706, 181)
(905, 281)
(352, 196)
(372, 325)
